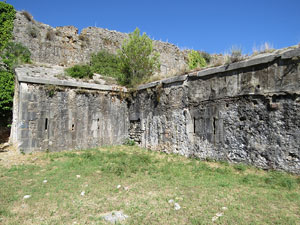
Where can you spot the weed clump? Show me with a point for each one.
(50, 35)
(264, 48)
(129, 142)
(196, 60)
(27, 15)
(106, 64)
(206, 56)
(33, 31)
(235, 56)
(80, 71)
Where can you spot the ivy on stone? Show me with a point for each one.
(7, 16)
(11, 55)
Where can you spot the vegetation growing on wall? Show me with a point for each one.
(103, 63)
(135, 61)
(11, 55)
(206, 56)
(236, 55)
(195, 60)
(138, 59)
(106, 64)
(7, 16)
(80, 71)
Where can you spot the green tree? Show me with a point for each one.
(137, 58)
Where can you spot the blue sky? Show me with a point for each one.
(211, 25)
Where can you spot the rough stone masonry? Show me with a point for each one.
(65, 47)
(51, 114)
(242, 112)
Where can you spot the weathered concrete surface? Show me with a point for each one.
(246, 112)
(64, 46)
(49, 117)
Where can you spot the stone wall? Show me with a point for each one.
(58, 115)
(244, 112)
(64, 46)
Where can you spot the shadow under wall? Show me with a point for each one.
(5, 122)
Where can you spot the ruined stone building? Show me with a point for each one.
(247, 111)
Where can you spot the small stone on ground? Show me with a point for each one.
(171, 201)
(177, 206)
(27, 196)
(115, 217)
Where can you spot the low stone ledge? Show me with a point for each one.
(238, 65)
(174, 79)
(37, 80)
(290, 53)
(149, 85)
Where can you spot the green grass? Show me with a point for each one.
(202, 189)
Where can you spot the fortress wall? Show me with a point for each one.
(244, 112)
(247, 112)
(65, 47)
(58, 117)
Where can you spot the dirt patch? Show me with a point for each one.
(4, 134)
(11, 157)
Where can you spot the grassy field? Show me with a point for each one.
(141, 184)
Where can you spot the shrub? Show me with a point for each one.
(13, 55)
(33, 31)
(206, 56)
(28, 16)
(129, 142)
(50, 35)
(106, 64)
(7, 16)
(236, 55)
(138, 60)
(80, 71)
(195, 60)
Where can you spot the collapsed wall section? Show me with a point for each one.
(244, 112)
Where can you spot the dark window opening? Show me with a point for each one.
(214, 125)
(194, 125)
(73, 126)
(46, 124)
